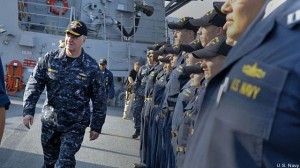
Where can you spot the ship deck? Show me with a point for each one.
(21, 148)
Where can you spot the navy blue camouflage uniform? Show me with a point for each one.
(139, 90)
(186, 94)
(155, 156)
(185, 127)
(173, 88)
(66, 112)
(148, 106)
(183, 100)
(262, 129)
(109, 83)
(4, 100)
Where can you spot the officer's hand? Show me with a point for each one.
(109, 101)
(93, 135)
(133, 95)
(28, 120)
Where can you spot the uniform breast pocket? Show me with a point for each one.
(249, 100)
(80, 86)
(80, 81)
(53, 75)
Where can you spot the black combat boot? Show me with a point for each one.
(136, 134)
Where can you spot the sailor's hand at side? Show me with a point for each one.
(109, 101)
(28, 120)
(93, 135)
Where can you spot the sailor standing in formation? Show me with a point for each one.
(250, 112)
(184, 33)
(243, 113)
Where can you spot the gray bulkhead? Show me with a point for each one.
(119, 30)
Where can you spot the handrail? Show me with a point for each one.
(57, 23)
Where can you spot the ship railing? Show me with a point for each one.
(41, 22)
(156, 32)
(56, 24)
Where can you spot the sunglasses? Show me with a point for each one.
(102, 64)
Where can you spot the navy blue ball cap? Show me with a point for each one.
(161, 50)
(215, 47)
(155, 46)
(103, 61)
(193, 46)
(77, 28)
(165, 60)
(217, 6)
(184, 23)
(192, 69)
(210, 18)
(173, 50)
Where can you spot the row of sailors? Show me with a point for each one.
(170, 87)
(245, 111)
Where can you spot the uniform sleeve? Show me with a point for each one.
(98, 98)
(111, 91)
(131, 74)
(138, 80)
(4, 100)
(34, 87)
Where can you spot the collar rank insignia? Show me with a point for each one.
(293, 17)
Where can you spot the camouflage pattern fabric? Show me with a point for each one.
(70, 86)
(139, 90)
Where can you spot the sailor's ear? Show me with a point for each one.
(84, 38)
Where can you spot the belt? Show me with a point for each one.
(174, 133)
(180, 149)
(189, 113)
(161, 115)
(148, 99)
(191, 131)
(171, 109)
(154, 106)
